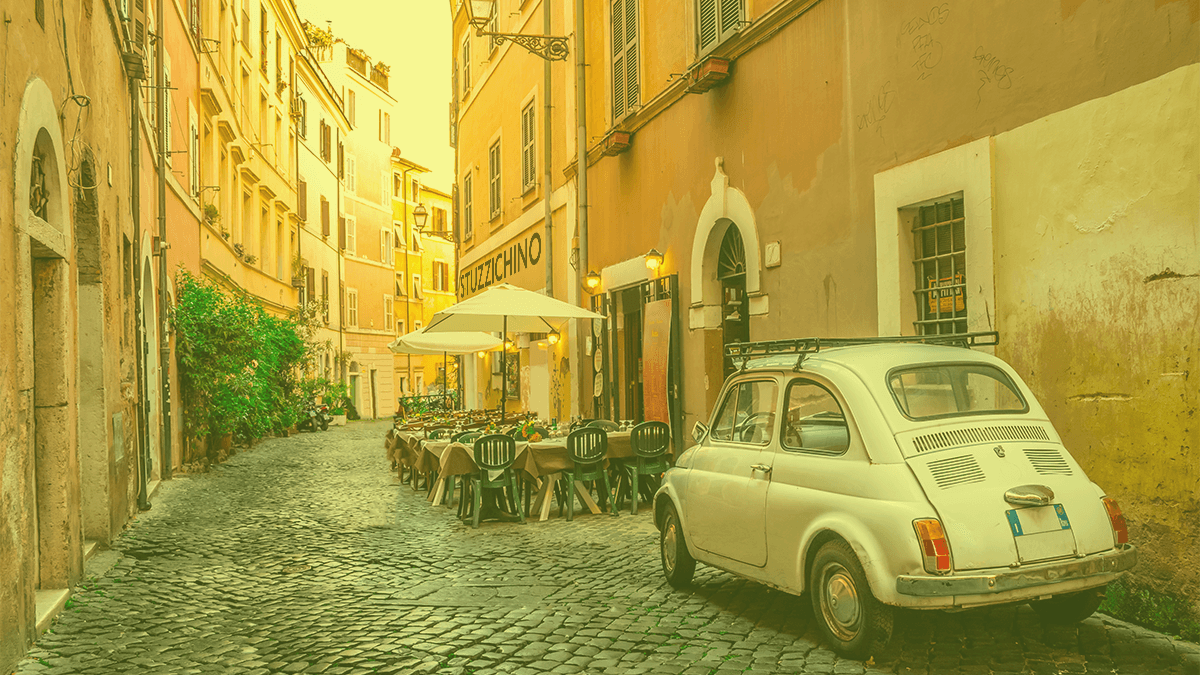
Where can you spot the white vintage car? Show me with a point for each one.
(883, 473)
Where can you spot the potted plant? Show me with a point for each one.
(339, 416)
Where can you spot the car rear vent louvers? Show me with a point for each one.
(1048, 462)
(990, 434)
(956, 471)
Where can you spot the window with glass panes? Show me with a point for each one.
(940, 262)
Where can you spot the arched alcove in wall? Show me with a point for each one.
(46, 346)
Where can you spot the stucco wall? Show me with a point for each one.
(1098, 294)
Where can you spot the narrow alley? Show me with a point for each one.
(304, 555)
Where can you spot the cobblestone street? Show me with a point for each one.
(305, 555)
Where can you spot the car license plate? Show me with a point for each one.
(1041, 532)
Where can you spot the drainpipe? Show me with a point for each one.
(164, 348)
(341, 258)
(548, 189)
(407, 296)
(581, 164)
(135, 204)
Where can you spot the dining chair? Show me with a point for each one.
(651, 441)
(494, 453)
(467, 437)
(603, 425)
(587, 448)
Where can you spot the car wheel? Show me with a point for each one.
(1069, 608)
(678, 565)
(854, 623)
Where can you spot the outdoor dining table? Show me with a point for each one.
(543, 461)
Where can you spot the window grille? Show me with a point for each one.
(494, 180)
(528, 152)
(940, 265)
(626, 90)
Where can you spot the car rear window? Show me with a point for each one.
(954, 389)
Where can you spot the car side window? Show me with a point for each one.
(747, 414)
(815, 421)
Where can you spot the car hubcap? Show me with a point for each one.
(668, 545)
(839, 602)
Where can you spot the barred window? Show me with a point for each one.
(940, 260)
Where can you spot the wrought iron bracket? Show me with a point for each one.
(549, 47)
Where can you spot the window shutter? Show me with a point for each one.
(302, 200)
(618, 42)
(707, 17)
(324, 217)
(312, 285)
(341, 160)
(626, 89)
(528, 156)
(341, 232)
(731, 16)
(632, 88)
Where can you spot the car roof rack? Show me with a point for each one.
(802, 347)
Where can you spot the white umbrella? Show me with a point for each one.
(417, 342)
(505, 307)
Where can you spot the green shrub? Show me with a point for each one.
(239, 367)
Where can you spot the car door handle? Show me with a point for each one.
(760, 467)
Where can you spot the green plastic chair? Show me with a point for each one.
(467, 437)
(651, 441)
(587, 447)
(494, 452)
(603, 425)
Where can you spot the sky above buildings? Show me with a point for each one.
(413, 37)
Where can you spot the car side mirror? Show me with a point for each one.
(699, 432)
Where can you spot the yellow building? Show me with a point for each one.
(499, 118)
(425, 271)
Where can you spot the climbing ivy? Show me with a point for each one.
(239, 366)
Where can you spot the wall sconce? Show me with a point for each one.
(654, 260)
(591, 282)
(483, 355)
(553, 337)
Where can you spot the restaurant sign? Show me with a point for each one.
(516, 257)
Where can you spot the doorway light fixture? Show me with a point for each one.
(591, 282)
(654, 260)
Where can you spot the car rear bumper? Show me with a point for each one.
(1102, 566)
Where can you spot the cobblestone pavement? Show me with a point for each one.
(304, 555)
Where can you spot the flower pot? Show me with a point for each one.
(339, 420)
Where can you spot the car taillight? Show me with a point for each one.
(934, 548)
(1117, 520)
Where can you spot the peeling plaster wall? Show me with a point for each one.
(1098, 293)
(99, 134)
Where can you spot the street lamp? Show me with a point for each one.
(654, 260)
(553, 336)
(420, 215)
(591, 282)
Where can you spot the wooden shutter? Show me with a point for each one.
(706, 15)
(341, 232)
(528, 152)
(341, 160)
(312, 285)
(626, 89)
(302, 200)
(731, 17)
(324, 217)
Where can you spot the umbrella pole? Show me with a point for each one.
(445, 380)
(504, 371)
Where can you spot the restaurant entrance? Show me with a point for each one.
(635, 358)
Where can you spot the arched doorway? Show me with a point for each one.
(735, 312)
